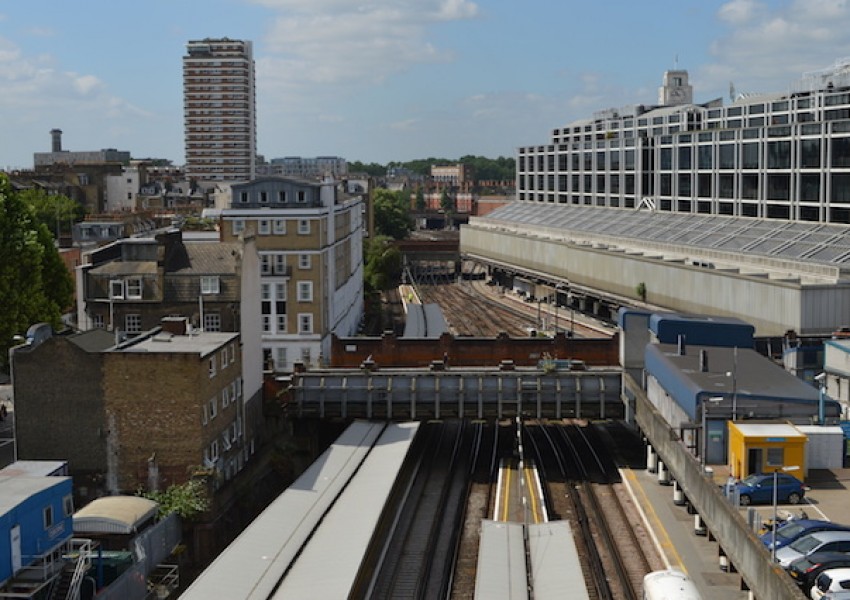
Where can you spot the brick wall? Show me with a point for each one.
(59, 405)
(157, 402)
(391, 351)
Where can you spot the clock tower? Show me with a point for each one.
(675, 89)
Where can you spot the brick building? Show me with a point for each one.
(143, 413)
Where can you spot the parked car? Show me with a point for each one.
(831, 580)
(805, 570)
(819, 541)
(792, 530)
(758, 489)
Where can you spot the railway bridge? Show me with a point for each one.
(486, 393)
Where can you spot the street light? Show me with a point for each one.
(821, 379)
(775, 494)
(714, 400)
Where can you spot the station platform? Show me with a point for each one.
(699, 556)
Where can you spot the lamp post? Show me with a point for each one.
(821, 379)
(775, 502)
(704, 406)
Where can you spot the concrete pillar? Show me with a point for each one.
(663, 474)
(678, 494)
(651, 459)
(699, 525)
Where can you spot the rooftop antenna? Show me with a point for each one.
(676, 62)
(731, 91)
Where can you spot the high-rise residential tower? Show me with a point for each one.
(219, 107)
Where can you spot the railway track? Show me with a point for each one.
(472, 308)
(416, 557)
(583, 488)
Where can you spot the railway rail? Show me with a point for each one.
(416, 557)
(581, 480)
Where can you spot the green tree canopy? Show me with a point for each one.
(56, 211)
(392, 213)
(35, 286)
(382, 270)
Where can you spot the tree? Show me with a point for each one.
(35, 286)
(189, 500)
(420, 199)
(447, 202)
(392, 214)
(382, 270)
(56, 211)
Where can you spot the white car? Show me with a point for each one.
(819, 541)
(831, 580)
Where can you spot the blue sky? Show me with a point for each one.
(382, 80)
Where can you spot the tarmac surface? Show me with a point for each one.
(828, 498)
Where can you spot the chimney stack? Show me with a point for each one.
(56, 137)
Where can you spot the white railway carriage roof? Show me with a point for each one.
(813, 243)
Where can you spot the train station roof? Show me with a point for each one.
(728, 239)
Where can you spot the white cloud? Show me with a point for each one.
(767, 48)
(738, 12)
(339, 41)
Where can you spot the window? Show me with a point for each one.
(775, 458)
(232, 353)
(238, 226)
(264, 197)
(264, 227)
(116, 289)
(225, 397)
(304, 226)
(302, 196)
(133, 323)
(305, 323)
(48, 517)
(280, 358)
(810, 154)
(214, 451)
(212, 367)
(212, 322)
(306, 355)
(304, 261)
(233, 395)
(279, 226)
(280, 263)
(134, 288)
(206, 416)
(97, 321)
(305, 291)
(265, 264)
(281, 196)
(210, 284)
(213, 406)
(243, 196)
(68, 505)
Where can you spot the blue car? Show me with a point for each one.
(758, 489)
(792, 530)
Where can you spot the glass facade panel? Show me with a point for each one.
(810, 188)
(840, 188)
(750, 155)
(779, 155)
(750, 187)
(810, 154)
(727, 156)
(841, 152)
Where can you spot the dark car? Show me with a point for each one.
(805, 570)
(792, 530)
(758, 489)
